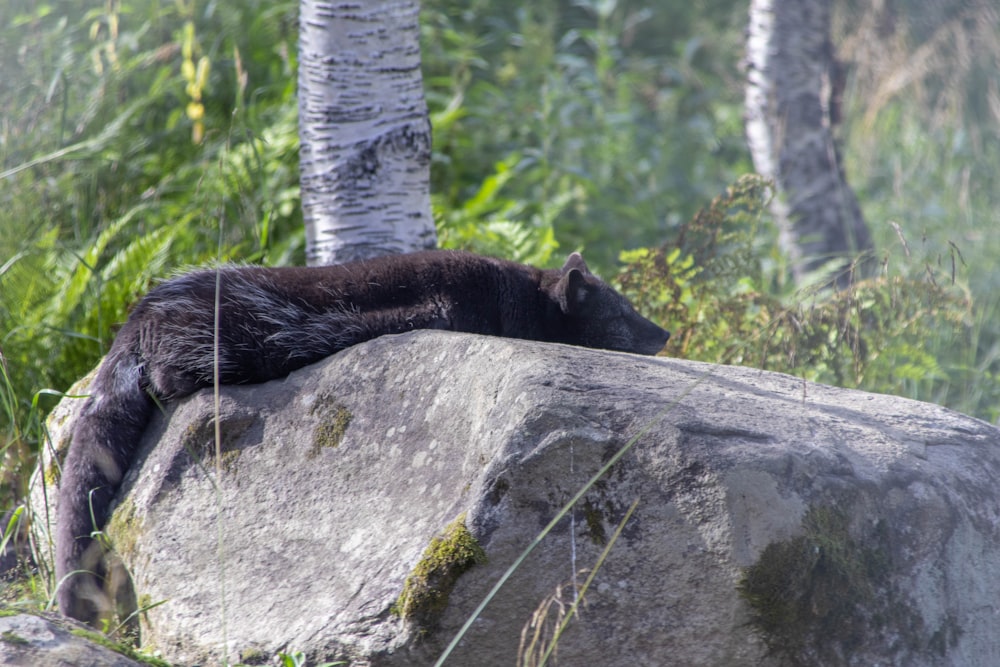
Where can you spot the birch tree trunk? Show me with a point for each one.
(791, 109)
(364, 131)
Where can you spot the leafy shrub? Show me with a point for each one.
(902, 333)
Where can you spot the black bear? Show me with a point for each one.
(257, 324)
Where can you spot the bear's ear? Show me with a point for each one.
(575, 261)
(573, 290)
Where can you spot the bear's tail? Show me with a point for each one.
(105, 437)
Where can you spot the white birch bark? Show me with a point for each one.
(789, 126)
(364, 130)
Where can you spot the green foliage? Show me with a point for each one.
(922, 147)
(8, 532)
(904, 334)
(118, 647)
(139, 137)
(492, 223)
(612, 118)
(298, 659)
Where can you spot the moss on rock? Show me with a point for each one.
(199, 440)
(331, 430)
(124, 528)
(53, 474)
(13, 638)
(427, 589)
(123, 649)
(814, 598)
(595, 523)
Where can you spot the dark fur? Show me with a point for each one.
(275, 320)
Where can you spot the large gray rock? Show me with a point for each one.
(34, 640)
(777, 521)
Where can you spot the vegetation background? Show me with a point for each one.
(138, 137)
